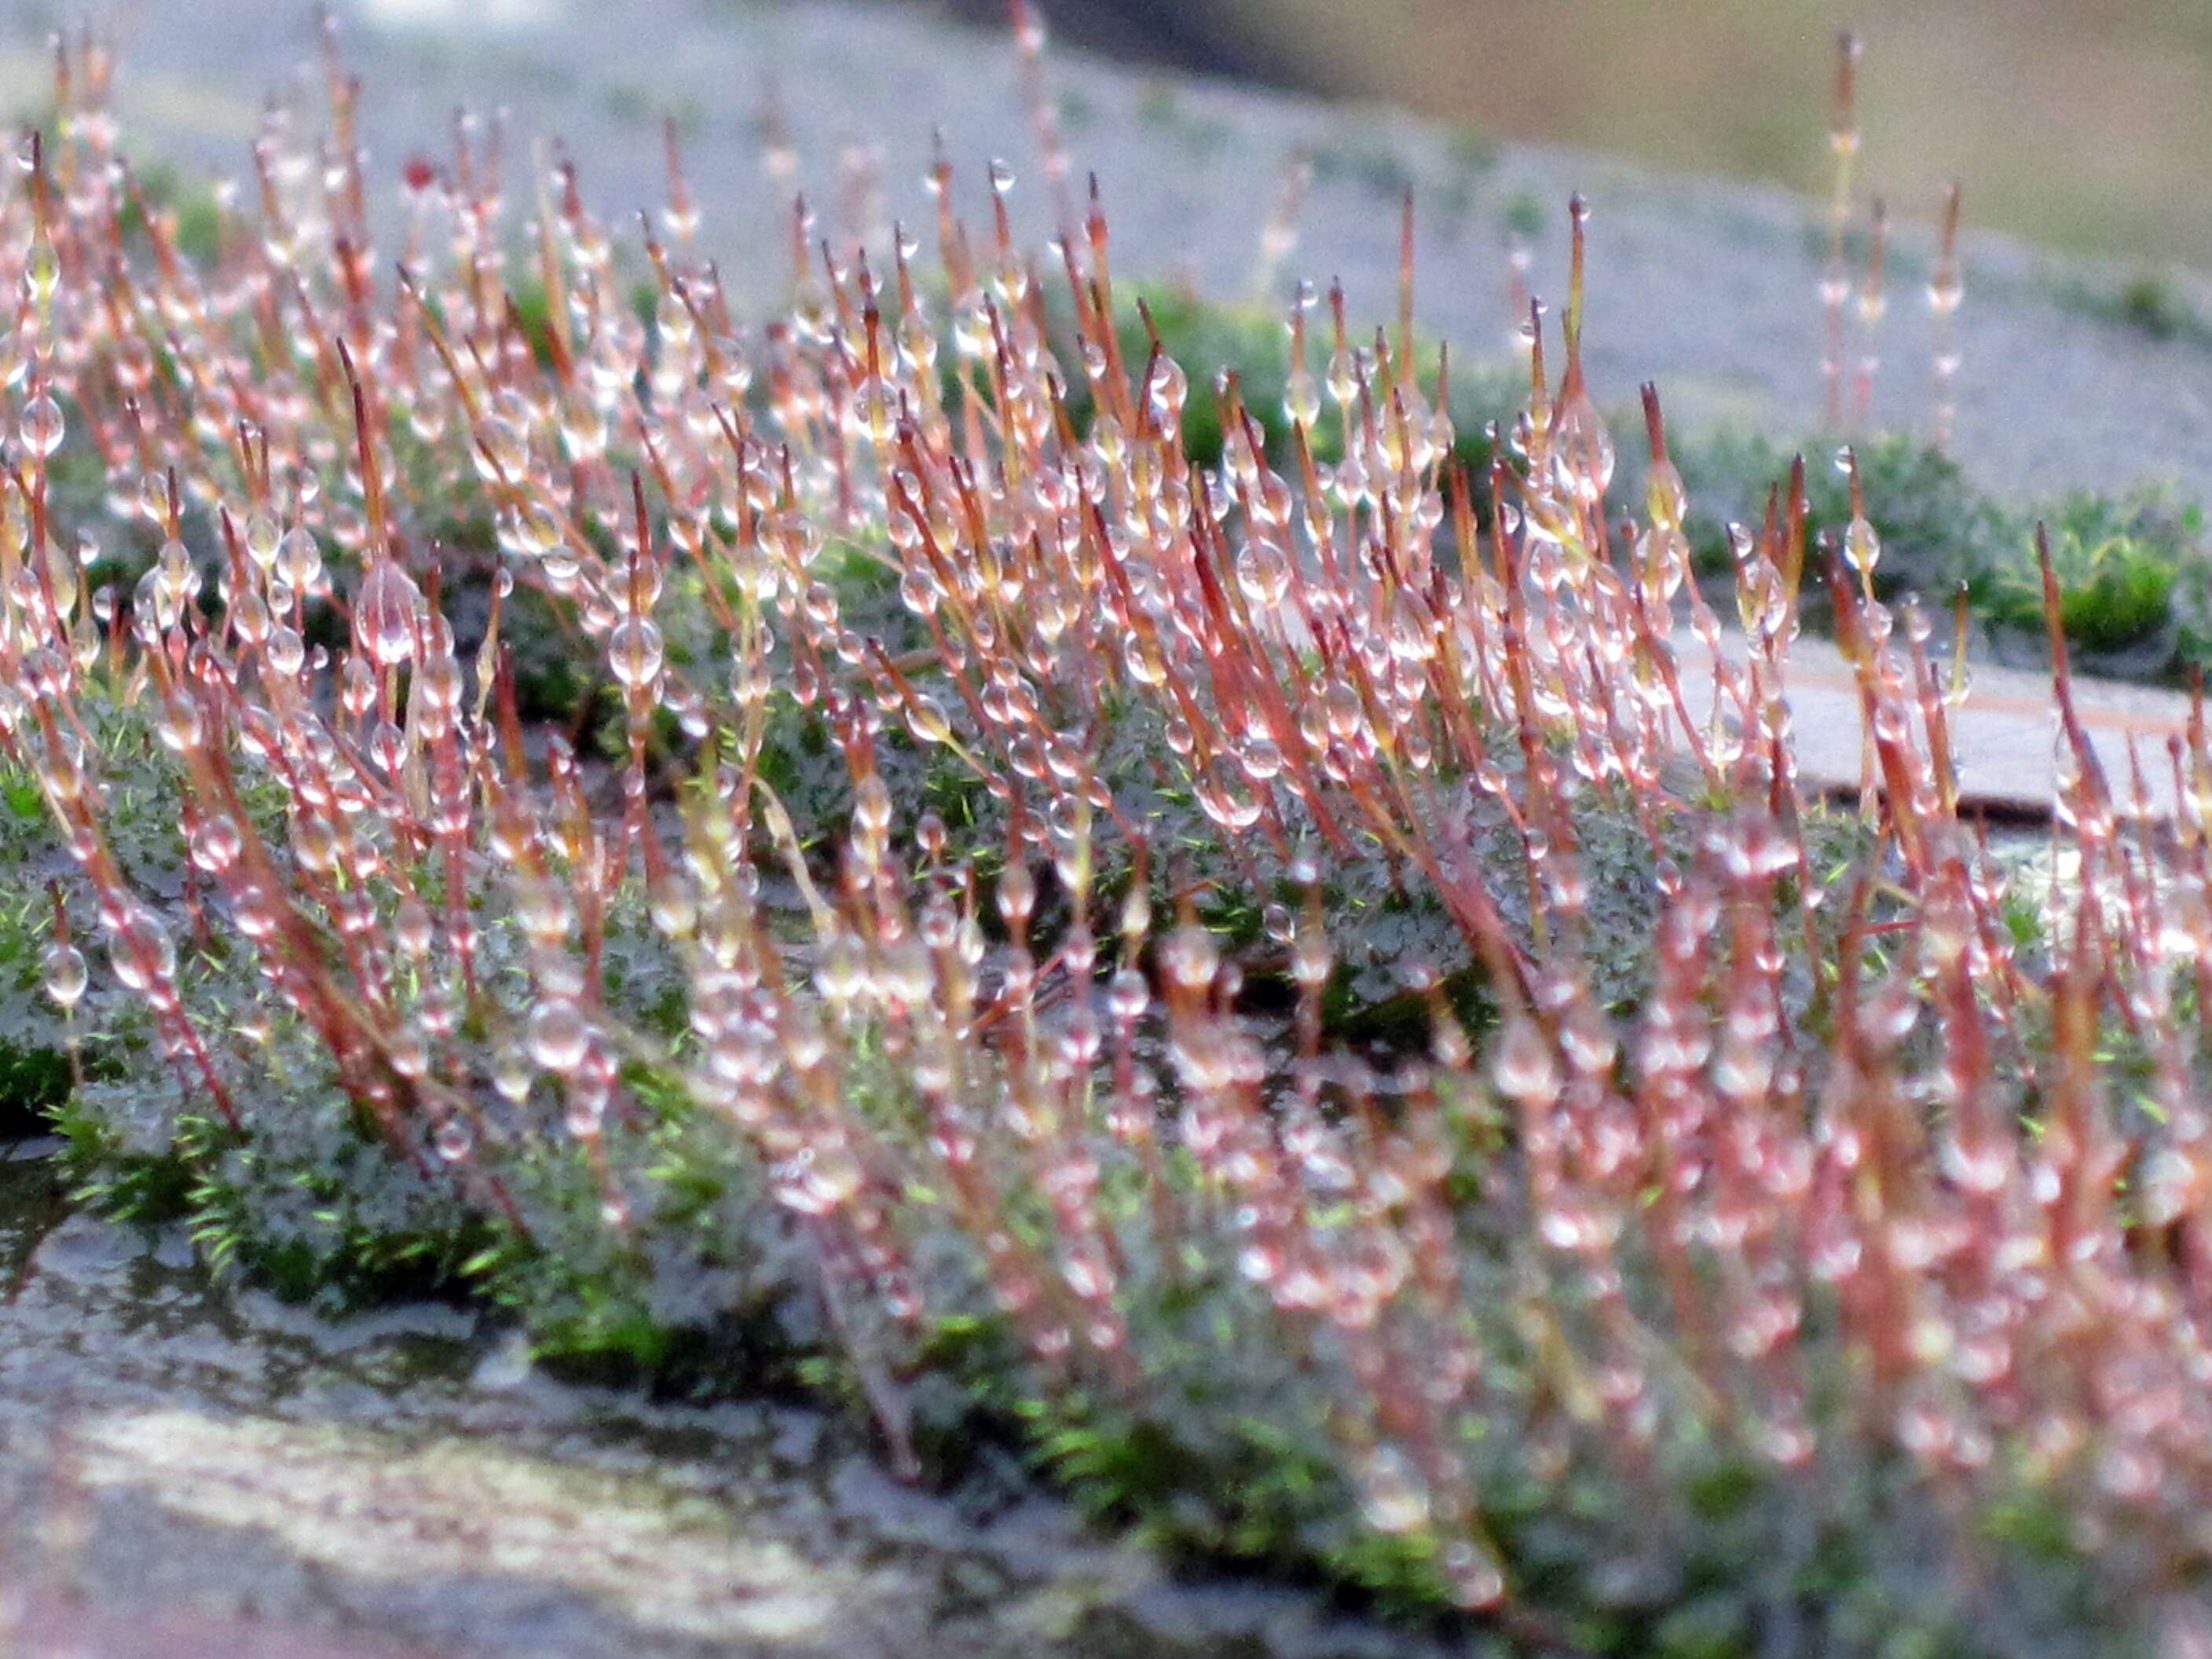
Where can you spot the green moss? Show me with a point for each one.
(1223, 1445)
(1472, 150)
(2117, 564)
(1211, 341)
(1937, 529)
(151, 1187)
(661, 1250)
(2129, 569)
(553, 681)
(2148, 303)
(1374, 166)
(197, 216)
(34, 1081)
(1160, 106)
(632, 104)
(533, 308)
(199, 226)
(141, 818)
(1077, 112)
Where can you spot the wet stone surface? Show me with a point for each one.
(186, 1468)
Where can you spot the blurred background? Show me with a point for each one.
(2082, 127)
(2082, 124)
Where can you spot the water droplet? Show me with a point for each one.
(384, 614)
(215, 844)
(634, 652)
(66, 976)
(42, 424)
(559, 1036)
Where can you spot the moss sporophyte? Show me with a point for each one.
(935, 850)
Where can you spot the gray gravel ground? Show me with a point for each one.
(1707, 287)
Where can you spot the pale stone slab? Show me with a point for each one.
(2003, 738)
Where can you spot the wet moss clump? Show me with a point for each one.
(812, 859)
(2135, 578)
(1937, 529)
(1216, 342)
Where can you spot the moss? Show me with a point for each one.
(1376, 167)
(196, 216)
(1403, 1021)
(552, 681)
(1077, 112)
(111, 1030)
(533, 308)
(1244, 1498)
(1224, 1447)
(2130, 568)
(151, 1187)
(1472, 150)
(1211, 341)
(1160, 106)
(327, 1213)
(2118, 564)
(76, 498)
(2148, 303)
(1937, 529)
(701, 1289)
(632, 104)
(34, 1081)
(199, 226)
(1525, 216)
(1228, 1401)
